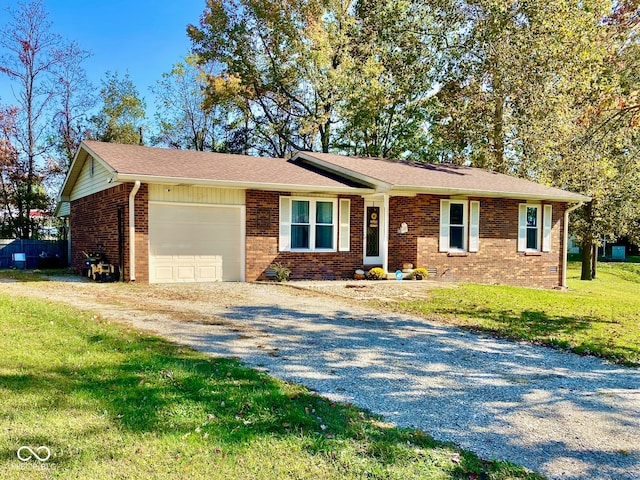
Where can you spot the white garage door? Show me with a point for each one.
(195, 243)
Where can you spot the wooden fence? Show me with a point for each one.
(39, 253)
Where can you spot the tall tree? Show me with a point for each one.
(8, 163)
(288, 56)
(33, 53)
(514, 69)
(121, 117)
(620, 107)
(184, 118)
(603, 161)
(75, 101)
(525, 90)
(391, 67)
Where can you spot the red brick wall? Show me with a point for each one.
(263, 212)
(94, 227)
(497, 260)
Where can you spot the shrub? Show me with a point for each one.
(281, 272)
(420, 273)
(376, 273)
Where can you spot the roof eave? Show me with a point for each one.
(59, 206)
(375, 183)
(79, 158)
(71, 177)
(162, 180)
(569, 198)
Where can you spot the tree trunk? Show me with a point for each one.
(587, 245)
(587, 250)
(325, 132)
(594, 262)
(498, 136)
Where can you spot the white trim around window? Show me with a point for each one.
(309, 224)
(459, 226)
(535, 222)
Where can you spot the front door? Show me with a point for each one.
(373, 229)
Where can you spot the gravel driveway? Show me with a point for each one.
(560, 414)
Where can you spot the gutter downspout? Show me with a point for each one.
(566, 242)
(132, 231)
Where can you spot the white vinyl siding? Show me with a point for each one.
(64, 209)
(345, 225)
(88, 183)
(199, 195)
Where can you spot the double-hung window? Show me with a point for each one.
(309, 224)
(325, 226)
(534, 227)
(459, 226)
(300, 224)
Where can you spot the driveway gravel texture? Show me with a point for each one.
(557, 413)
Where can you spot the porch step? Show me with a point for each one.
(406, 274)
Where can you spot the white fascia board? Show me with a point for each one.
(71, 173)
(240, 185)
(81, 156)
(569, 198)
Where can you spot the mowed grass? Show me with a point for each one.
(599, 317)
(111, 402)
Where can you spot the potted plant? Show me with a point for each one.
(280, 272)
(420, 273)
(376, 273)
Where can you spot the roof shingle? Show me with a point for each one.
(135, 160)
(439, 177)
(314, 172)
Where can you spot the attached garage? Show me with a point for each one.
(195, 243)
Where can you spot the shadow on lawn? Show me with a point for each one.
(167, 390)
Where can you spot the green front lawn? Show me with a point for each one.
(600, 317)
(111, 402)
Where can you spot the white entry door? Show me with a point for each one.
(373, 231)
(193, 243)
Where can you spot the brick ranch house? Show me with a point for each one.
(183, 216)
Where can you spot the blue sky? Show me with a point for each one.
(143, 37)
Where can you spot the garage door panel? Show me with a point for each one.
(210, 274)
(164, 273)
(194, 243)
(186, 273)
